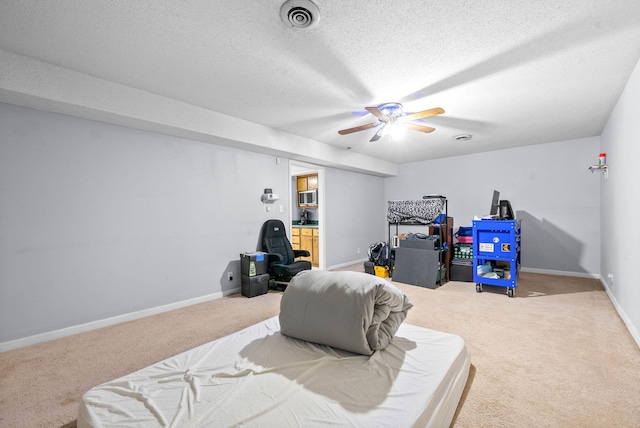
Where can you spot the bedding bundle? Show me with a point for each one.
(353, 311)
(423, 211)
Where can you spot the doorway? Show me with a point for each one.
(314, 216)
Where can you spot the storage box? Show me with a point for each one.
(465, 231)
(253, 264)
(255, 285)
(463, 251)
(381, 271)
(461, 273)
(369, 267)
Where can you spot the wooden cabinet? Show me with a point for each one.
(295, 238)
(312, 182)
(306, 242)
(315, 254)
(301, 183)
(447, 236)
(309, 185)
(307, 182)
(306, 238)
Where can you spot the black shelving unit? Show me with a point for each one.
(440, 227)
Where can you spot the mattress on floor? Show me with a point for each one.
(258, 377)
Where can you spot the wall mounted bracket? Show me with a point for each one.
(268, 197)
(600, 168)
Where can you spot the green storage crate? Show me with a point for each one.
(463, 251)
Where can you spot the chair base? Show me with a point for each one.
(277, 285)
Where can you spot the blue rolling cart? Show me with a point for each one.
(496, 254)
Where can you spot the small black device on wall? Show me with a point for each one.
(269, 197)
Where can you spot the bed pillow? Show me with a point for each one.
(353, 311)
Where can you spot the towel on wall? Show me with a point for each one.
(352, 311)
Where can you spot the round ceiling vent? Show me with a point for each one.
(299, 13)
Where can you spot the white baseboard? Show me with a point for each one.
(230, 292)
(341, 265)
(625, 319)
(93, 325)
(560, 273)
(522, 269)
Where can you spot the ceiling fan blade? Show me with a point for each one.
(420, 128)
(378, 134)
(377, 113)
(421, 114)
(358, 128)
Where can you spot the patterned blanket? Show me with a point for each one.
(422, 211)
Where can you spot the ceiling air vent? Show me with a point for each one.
(299, 13)
(462, 137)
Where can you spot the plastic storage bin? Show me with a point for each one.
(253, 264)
(254, 285)
(381, 271)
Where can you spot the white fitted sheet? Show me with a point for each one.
(258, 377)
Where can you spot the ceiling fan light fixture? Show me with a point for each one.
(391, 109)
(389, 116)
(299, 13)
(394, 131)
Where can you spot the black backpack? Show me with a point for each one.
(380, 253)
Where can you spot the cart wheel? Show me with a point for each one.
(479, 288)
(510, 292)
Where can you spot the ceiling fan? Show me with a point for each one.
(390, 115)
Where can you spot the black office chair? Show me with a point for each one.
(282, 265)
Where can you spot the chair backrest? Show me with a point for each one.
(274, 240)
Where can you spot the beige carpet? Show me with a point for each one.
(556, 355)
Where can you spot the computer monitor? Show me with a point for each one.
(506, 212)
(495, 204)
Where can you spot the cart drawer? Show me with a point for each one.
(494, 243)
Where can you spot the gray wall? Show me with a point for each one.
(354, 219)
(548, 185)
(98, 220)
(621, 205)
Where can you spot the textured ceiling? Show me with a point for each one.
(509, 73)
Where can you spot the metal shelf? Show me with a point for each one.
(443, 260)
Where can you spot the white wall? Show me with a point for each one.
(99, 223)
(98, 220)
(548, 185)
(354, 218)
(621, 205)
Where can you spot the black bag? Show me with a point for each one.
(380, 254)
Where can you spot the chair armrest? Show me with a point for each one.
(275, 257)
(301, 253)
